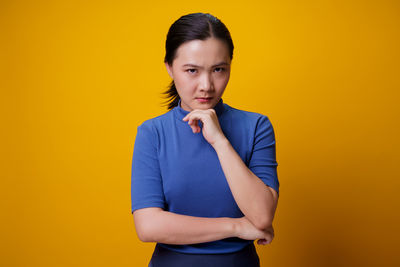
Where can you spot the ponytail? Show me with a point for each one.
(172, 95)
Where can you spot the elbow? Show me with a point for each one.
(264, 220)
(263, 224)
(143, 235)
(145, 224)
(145, 232)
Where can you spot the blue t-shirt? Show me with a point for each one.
(179, 171)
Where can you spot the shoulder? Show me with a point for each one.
(149, 128)
(157, 121)
(247, 117)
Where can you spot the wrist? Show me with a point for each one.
(235, 227)
(220, 143)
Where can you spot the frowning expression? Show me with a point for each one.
(200, 71)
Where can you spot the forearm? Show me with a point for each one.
(252, 196)
(171, 228)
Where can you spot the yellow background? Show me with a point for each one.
(78, 77)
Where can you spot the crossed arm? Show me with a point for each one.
(257, 202)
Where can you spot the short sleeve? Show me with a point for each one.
(146, 182)
(263, 158)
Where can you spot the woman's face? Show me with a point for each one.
(201, 69)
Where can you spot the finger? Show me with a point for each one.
(193, 119)
(262, 242)
(196, 114)
(194, 125)
(189, 115)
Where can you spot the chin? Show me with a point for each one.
(205, 106)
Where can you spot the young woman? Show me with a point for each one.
(204, 178)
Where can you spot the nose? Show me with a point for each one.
(206, 82)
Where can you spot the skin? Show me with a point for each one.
(201, 68)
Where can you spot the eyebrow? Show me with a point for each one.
(216, 65)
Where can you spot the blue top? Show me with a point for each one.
(179, 171)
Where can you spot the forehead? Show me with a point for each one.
(202, 52)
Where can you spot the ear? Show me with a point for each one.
(169, 69)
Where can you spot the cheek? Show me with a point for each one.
(184, 85)
(222, 81)
(184, 82)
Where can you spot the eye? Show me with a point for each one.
(192, 71)
(219, 69)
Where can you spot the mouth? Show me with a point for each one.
(204, 99)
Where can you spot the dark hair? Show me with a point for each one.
(195, 26)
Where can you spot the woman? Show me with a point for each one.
(204, 179)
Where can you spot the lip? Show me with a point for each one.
(203, 99)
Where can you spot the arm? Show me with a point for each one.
(153, 224)
(156, 225)
(257, 201)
